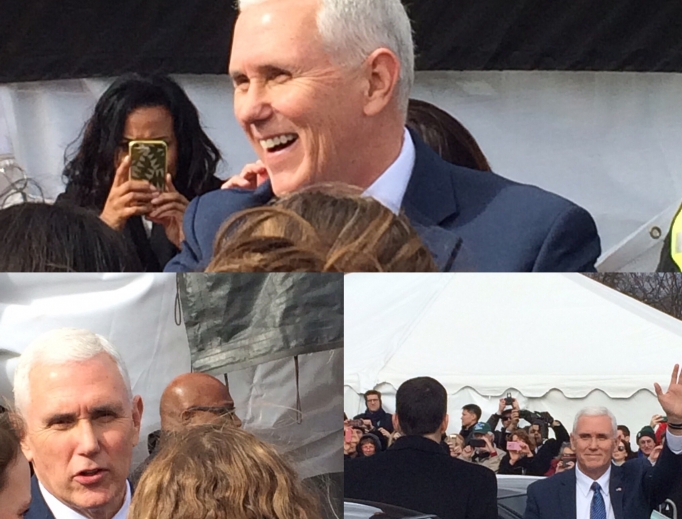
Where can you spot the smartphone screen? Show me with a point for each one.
(148, 161)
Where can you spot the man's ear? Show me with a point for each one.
(26, 448)
(383, 74)
(138, 407)
(573, 442)
(396, 422)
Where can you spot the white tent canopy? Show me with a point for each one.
(558, 342)
(136, 313)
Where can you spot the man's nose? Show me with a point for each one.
(88, 442)
(253, 105)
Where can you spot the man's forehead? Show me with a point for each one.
(594, 424)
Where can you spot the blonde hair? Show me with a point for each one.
(324, 228)
(215, 471)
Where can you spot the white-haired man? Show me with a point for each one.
(598, 489)
(321, 91)
(82, 422)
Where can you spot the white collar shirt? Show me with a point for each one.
(584, 494)
(61, 511)
(390, 187)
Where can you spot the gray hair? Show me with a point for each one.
(596, 411)
(62, 346)
(352, 29)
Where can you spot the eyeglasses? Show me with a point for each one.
(506, 418)
(224, 411)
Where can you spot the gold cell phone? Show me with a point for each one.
(149, 161)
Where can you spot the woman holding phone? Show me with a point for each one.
(134, 108)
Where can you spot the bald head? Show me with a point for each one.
(195, 398)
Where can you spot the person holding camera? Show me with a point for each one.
(376, 420)
(508, 414)
(521, 458)
(480, 448)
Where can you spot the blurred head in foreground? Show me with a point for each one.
(326, 228)
(218, 471)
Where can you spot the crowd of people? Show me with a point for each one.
(412, 446)
(353, 174)
(66, 450)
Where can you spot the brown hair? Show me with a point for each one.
(10, 443)
(325, 228)
(526, 438)
(219, 472)
(445, 135)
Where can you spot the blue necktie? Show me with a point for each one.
(597, 508)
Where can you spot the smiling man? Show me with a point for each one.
(596, 488)
(321, 89)
(82, 422)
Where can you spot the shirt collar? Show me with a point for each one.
(390, 187)
(584, 482)
(61, 511)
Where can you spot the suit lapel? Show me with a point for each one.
(38, 508)
(567, 492)
(616, 491)
(429, 198)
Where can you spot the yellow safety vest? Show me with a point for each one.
(676, 240)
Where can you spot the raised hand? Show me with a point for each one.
(126, 197)
(671, 400)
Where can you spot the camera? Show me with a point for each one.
(509, 400)
(534, 416)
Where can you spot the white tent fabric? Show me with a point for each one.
(136, 312)
(558, 342)
(607, 141)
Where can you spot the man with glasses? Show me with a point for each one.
(598, 489)
(190, 399)
(376, 419)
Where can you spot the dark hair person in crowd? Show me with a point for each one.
(445, 135)
(38, 237)
(326, 228)
(221, 472)
(142, 107)
(15, 475)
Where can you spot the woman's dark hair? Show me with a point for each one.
(10, 441)
(445, 135)
(90, 172)
(39, 237)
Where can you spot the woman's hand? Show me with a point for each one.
(168, 210)
(252, 176)
(126, 197)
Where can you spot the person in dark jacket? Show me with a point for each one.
(377, 420)
(142, 107)
(419, 474)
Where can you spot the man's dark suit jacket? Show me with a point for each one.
(39, 508)
(502, 225)
(416, 473)
(635, 488)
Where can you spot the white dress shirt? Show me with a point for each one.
(584, 494)
(390, 187)
(61, 511)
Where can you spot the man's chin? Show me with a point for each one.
(285, 183)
